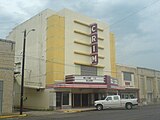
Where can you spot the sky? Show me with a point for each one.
(135, 24)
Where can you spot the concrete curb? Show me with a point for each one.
(12, 116)
(72, 111)
(76, 111)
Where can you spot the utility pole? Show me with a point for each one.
(22, 77)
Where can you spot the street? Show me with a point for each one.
(151, 112)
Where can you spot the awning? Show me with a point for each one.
(77, 86)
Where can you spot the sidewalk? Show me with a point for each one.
(60, 111)
(41, 113)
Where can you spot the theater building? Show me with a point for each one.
(70, 60)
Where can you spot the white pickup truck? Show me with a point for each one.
(114, 101)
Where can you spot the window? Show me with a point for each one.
(87, 70)
(102, 96)
(1, 95)
(149, 82)
(142, 85)
(122, 96)
(116, 98)
(109, 98)
(126, 96)
(132, 96)
(158, 80)
(65, 98)
(17, 68)
(127, 76)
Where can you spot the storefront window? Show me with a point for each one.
(65, 98)
(132, 96)
(127, 76)
(126, 96)
(122, 96)
(159, 84)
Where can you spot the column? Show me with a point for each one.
(70, 99)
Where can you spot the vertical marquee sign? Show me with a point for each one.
(94, 44)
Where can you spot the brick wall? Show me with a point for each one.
(7, 53)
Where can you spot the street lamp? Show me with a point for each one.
(23, 62)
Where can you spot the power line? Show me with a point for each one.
(57, 61)
(45, 60)
(131, 14)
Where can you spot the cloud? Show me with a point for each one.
(21, 9)
(16, 11)
(135, 23)
(138, 37)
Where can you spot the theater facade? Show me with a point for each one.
(70, 60)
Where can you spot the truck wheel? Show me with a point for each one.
(99, 107)
(128, 106)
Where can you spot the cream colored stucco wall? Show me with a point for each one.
(71, 36)
(33, 98)
(35, 64)
(119, 74)
(142, 74)
(153, 75)
(38, 99)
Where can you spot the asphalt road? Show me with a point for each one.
(151, 112)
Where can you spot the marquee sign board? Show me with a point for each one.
(94, 44)
(84, 79)
(89, 79)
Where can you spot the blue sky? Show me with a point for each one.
(135, 23)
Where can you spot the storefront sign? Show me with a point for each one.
(111, 82)
(114, 81)
(89, 79)
(84, 79)
(94, 44)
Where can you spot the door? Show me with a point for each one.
(84, 100)
(116, 102)
(108, 102)
(96, 97)
(90, 100)
(77, 100)
(58, 99)
(1, 95)
(149, 97)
